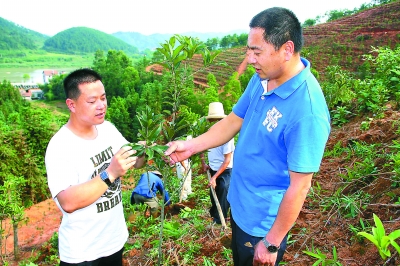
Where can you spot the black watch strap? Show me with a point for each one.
(104, 176)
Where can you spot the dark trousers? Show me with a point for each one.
(112, 260)
(221, 190)
(243, 254)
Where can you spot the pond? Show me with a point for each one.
(15, 75)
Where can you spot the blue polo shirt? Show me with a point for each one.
(284, 129)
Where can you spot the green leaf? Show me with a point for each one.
(135, 146)
(162, 51)
(154, 133)
(385, 242)
(395, 245)
(141, 153)
(177, 51)
(172, 41)
(394, 235)
(318, 256)
(384, 253)
(160, 149)
(318, 262)
(149, 122)
(370, 238)
(149, 153)
(334, 254)
(179, 59)
(380, 230)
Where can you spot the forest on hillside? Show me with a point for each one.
(86, 40)
(13, 37)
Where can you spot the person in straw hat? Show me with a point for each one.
(284, 125)
(220, 163)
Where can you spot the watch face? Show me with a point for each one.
(104, 177)
(272, 249)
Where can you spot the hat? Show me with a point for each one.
(215, 111)
(156, 173)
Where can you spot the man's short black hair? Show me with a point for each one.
(280, 25)
(76, 78)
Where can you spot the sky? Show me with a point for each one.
(156, 16)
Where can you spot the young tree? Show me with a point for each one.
(54, 90)
(26, 77)
(211, 93)
(231, 92)
(246, 76)
(176, 54)
(12, 205)
(309, 22)
(212, 44)
(114, 73)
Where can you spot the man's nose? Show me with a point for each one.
(101, 104)
(251, 58)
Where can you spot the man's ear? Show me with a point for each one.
(70, 104)
(289, 50)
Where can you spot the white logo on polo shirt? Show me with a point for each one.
(271, 120)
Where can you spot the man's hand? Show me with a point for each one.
(262, 256)
(178, 151)
(212, 183)
(121, 162)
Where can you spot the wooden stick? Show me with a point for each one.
(221, 216)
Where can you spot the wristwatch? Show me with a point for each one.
(104, 176)
(270, 247)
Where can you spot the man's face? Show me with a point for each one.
(262, 55)
(90, 107)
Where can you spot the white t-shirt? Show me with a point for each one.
(99, 229)
(216, 155)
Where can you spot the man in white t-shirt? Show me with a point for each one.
(84, 162)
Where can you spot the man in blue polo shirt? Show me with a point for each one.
(284, 125)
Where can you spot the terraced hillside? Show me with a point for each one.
(340, 42)
(232, 57)
(344, 41)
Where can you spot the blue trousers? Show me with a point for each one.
(221, 190)
(243, 254)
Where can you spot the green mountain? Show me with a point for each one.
(85, 40)
(141, 41)
(15, 37)
(151, 42)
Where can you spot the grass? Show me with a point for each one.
(40, 58)
(58, 107)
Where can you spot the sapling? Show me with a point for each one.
(381, 240)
